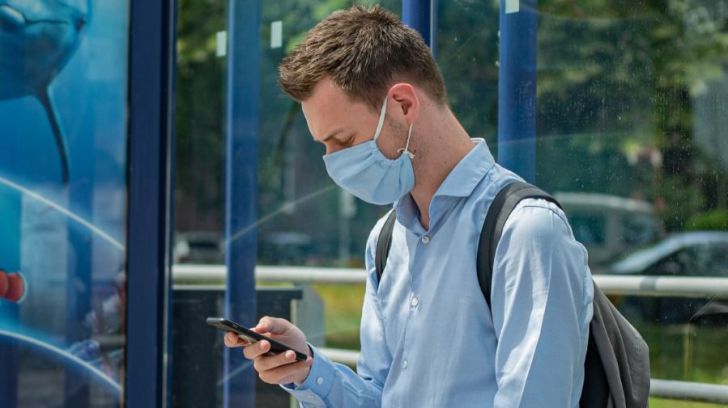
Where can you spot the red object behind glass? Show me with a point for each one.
(12, 286)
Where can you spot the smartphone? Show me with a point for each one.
(251, 336)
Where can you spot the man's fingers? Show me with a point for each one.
(256, 349)
(272, 325)
(281, 368)
(233, 340)
(287, 373)
(266, 363)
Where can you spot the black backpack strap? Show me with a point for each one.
(384, 243)
(500, 209)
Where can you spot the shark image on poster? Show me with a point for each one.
(37, 38)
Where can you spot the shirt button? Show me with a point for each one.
(404, 364)
(320, 380)
(414, 302)
(426, 239)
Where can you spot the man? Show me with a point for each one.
(372, 94)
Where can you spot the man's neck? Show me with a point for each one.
(441, 148)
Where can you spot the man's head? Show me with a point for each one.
(363, 51)
(343, 72)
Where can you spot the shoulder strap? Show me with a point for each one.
(384, 243)
(500, 209)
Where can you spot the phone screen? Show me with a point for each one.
(251, 336)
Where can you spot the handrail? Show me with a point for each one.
(610, 284)
(669, 389)
(689, 391)
(184, 274)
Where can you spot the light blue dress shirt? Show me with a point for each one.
(428, 338)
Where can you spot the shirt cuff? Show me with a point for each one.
(317, 385)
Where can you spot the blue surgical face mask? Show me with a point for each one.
(366, 173)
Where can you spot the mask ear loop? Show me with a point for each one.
(405, 149)
(381, 119)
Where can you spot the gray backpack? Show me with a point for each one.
(617, 365)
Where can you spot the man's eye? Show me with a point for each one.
(348, 141)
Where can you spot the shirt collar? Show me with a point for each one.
(459, 183)
(468, 172)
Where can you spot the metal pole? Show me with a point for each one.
(686, 287)
(434, 22)
(517, 87)
(243, 93)
(151, 60)
(689, 391)
(418, 15)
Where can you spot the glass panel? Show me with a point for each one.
(467, 54)
(199, 127)
(306, 220)
(303, 218)
(632, 95)
(63, 84)
(199, 205)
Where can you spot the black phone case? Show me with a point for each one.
(275, 347)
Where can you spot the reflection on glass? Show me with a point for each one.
(62, 202)
(467, 54)
(631, 109)
(303, 218)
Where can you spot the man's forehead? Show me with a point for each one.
(328, 108)
(327, 94)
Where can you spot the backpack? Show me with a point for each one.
(617, 365)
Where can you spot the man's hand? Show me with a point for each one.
(280, 368)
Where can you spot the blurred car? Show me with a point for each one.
(687, 254)
(608, 225)
(200, 247)
(285, 248)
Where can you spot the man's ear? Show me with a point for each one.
(408, 102)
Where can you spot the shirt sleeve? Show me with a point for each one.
(541, 306)
(331, 384)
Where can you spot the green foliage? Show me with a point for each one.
(343, 304)
(467, 53)
(682, 200)
(716, 220)
(199, 113)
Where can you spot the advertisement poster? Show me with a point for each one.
(63, 143)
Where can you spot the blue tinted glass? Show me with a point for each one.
(63, 84)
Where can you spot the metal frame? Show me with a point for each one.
(151, 64)
(243, 94)
(517, 87)
(418, 14)
(689, 391)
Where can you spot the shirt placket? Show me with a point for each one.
(419, 242)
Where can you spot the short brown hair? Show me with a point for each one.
(363, 50)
